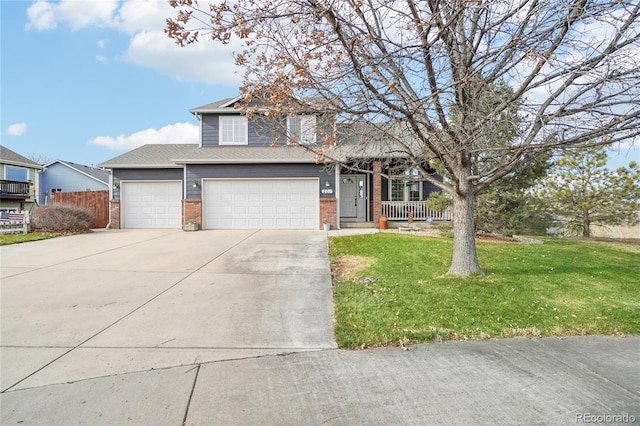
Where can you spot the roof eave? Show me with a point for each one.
(140, 166)
(21, 164)
(245, 161)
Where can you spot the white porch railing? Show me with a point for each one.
(400, 210)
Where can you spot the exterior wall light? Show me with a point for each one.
(195, 184)
(327, 188)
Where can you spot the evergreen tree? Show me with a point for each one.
(581, 192)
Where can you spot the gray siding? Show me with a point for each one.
(210, 130)
(260, 132)
(256, 171)
(144, 174)
(428, 188)
(267, 133)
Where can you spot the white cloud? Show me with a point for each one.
(172, 133)
(144, 21)
(205, 62)
(41, 16)
(44, 15)
(16, 129)
(143, 15)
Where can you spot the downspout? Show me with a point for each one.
(199, 116)
(110, 197)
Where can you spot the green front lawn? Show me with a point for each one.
(21, 238)
(392, 288)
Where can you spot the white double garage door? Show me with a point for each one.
(226, 204)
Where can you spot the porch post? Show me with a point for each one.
(377, 191)
(337, 193)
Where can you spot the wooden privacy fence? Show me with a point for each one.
(96, 201)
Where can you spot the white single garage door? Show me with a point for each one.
(261, 204)
(151, 204)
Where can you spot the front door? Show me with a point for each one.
(353, 197)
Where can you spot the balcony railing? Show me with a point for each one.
(401, 210)
(14, 189)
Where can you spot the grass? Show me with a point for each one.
(393, 289)
(21, 238)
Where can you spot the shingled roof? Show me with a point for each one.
(95, 173)
(221, 106)
(8, 156)
(175, 155)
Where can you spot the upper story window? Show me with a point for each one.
(233, 130)
(301, 129)
(19, 174)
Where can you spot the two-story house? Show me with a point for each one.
(19, 181)
(246, 174)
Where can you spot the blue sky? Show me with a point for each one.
(85, 81)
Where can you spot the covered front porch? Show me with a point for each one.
(364, 198)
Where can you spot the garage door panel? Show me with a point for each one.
(151, 204)
(254, 223)
(255, 204)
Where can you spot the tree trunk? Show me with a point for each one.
(586, 225)
(465, 257)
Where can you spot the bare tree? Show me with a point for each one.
(39, 158)
(573, 67)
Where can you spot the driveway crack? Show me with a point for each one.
(193, 388)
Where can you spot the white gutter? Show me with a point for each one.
(248, 161)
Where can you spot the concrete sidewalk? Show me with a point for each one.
(235, 327)
(513, 381)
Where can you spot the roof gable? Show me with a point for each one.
(222, 106)
(227, 106)
(100, 175)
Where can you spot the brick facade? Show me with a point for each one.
(114, 207)
(192, 211)
(377, 191)
(328, 212)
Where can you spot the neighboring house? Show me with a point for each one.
(18, 181)
(244, 174)
(65, 176)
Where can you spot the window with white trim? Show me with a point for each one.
(301, 129)
(19, 174)
(406, 187)
(233, 130)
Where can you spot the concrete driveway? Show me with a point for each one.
(122, 301)
(228, 328)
